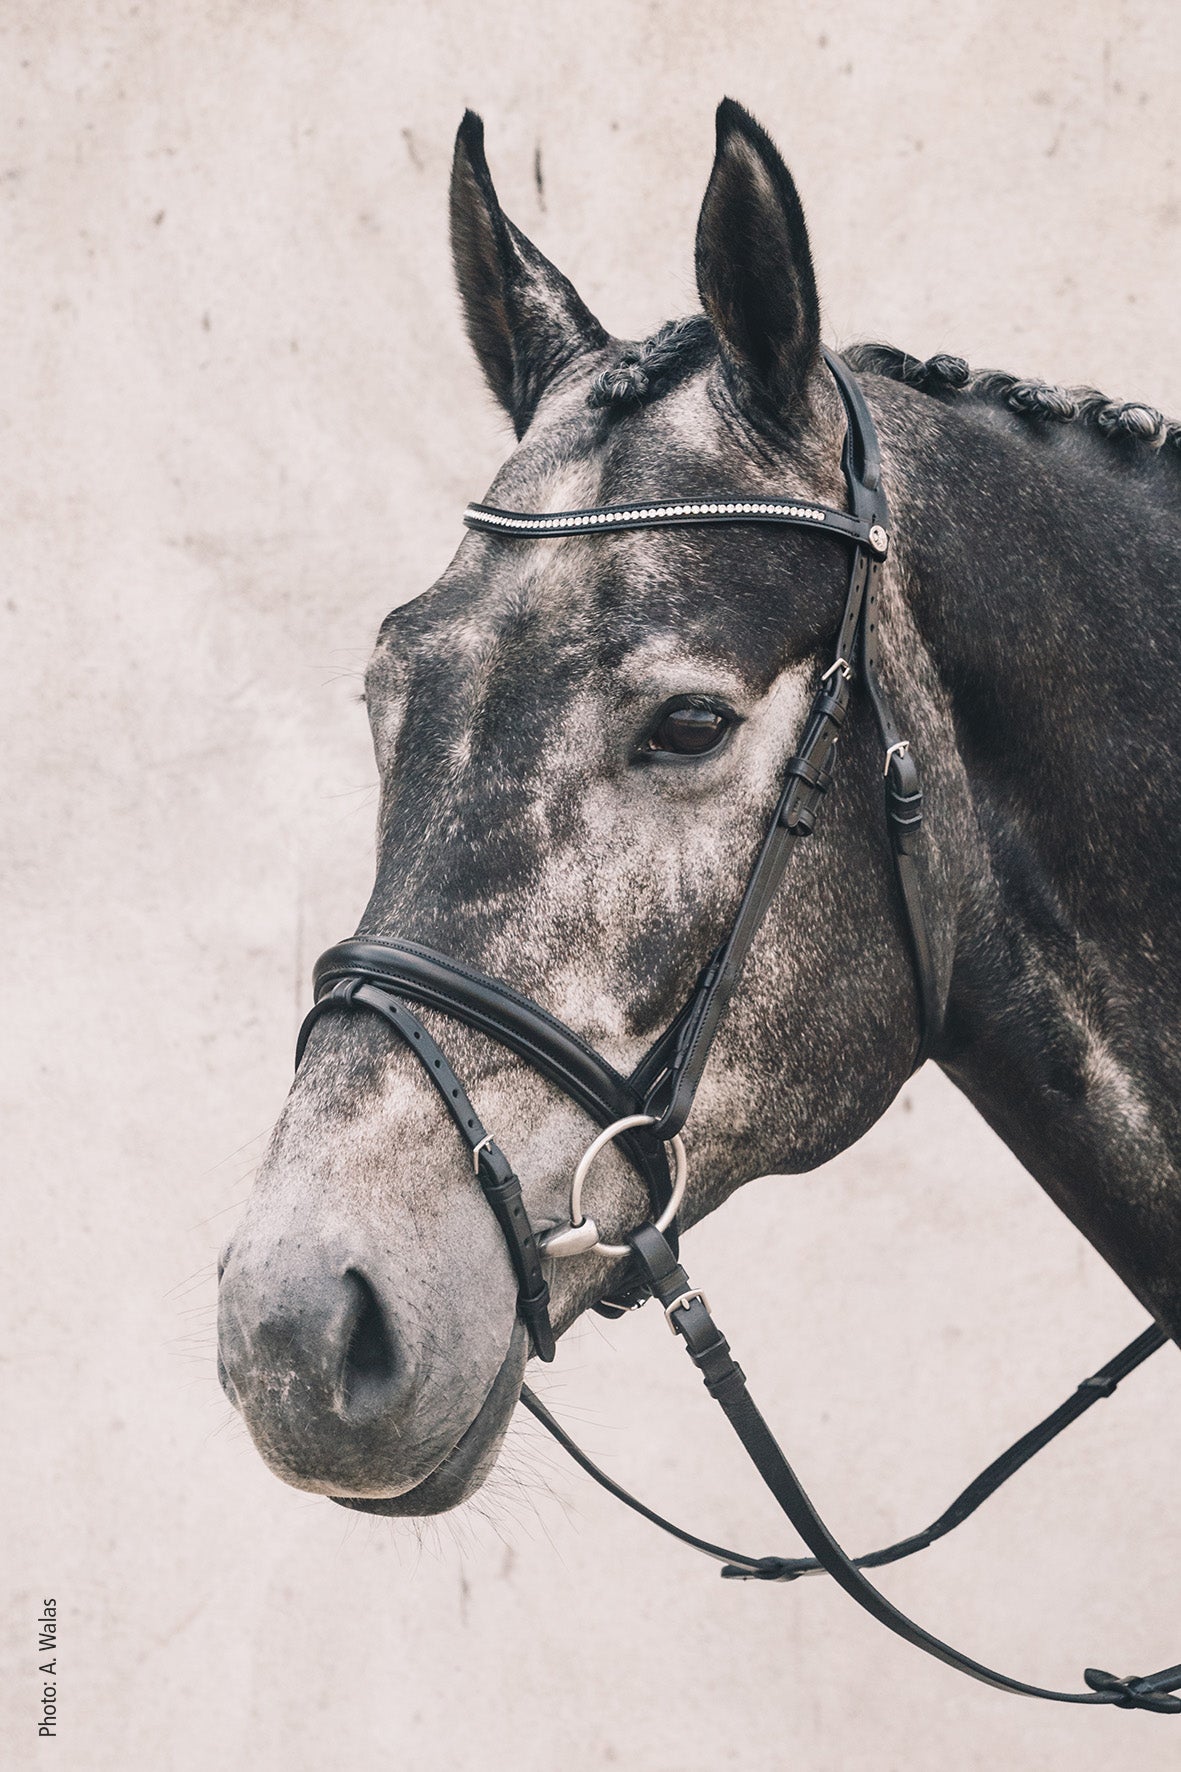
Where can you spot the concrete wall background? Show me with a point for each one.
(238, 423)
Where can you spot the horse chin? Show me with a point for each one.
(461, 1471)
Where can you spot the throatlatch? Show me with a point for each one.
(647, 1110)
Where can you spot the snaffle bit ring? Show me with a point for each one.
(680, 1174)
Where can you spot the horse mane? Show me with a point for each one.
(946, 377)
(648, 369)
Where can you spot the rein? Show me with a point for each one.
(647, 1110)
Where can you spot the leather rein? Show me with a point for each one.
(646, 1111)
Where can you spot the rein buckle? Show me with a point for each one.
(682, 1303)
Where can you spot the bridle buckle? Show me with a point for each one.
(483, 1145)
(682, 1303)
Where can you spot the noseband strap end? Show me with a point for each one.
(502, 1190)
(534, 1313)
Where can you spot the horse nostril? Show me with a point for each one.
(369, 1357)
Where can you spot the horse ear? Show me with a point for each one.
(525, 320)
(754, 272)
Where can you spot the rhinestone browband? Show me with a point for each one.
(667, 514)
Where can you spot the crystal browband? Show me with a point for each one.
(667, 514)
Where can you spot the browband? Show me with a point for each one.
(671, 514)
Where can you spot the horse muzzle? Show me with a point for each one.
(331, 1376)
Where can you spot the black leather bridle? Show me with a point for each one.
(648, 1109)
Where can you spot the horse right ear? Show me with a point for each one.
(754, 274)
(525, 320)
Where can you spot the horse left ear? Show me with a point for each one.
(754, 273)
(525, 320)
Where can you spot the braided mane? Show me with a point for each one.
(646, 370)
(948, 376)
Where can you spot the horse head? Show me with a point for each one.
(580, 740)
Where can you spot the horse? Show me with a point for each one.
(580, 739)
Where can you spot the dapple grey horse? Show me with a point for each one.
(580, 741)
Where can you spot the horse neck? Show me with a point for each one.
(1043, 566)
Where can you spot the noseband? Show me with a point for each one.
(647, 1110)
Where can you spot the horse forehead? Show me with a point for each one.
(552, 582)
(531, 601)
(504, 584)
(574, 459)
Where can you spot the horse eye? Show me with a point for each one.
(689, 732)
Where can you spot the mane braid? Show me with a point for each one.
(646, 370)
(945, 377)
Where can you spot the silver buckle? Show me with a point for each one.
(843, 666)
(682, 1303)
(477, 1148)
(896, 750)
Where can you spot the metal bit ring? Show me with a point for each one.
(680, 1175)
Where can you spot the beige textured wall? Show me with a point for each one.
(238, 422)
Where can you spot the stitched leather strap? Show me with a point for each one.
(669, 1075)
(513, 1020)
(505, 1015)
(710, 1352)
(666, 514)
(501, 1188)
(741, 1566)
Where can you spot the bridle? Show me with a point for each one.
(376, 972)
(647, 1110)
